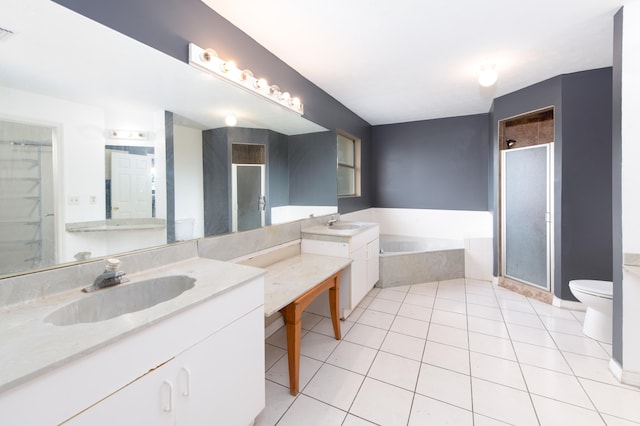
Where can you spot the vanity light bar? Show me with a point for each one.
(137, 135)
(208, 60)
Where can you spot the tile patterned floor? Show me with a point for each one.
(457, 352)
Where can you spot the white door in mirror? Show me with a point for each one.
(130, 186)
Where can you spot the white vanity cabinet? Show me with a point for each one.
(203, 365)
(214, 382)
(362, 245)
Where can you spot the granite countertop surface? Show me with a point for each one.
(31, 346)
(288, 279)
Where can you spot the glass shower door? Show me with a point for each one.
(526, 215)
(248, 196)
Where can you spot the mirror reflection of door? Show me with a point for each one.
(27, 228)
(130, 186)
(248, 190)
(129, 182)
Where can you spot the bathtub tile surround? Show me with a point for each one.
(411, 260)
(473, 229)
(515, 360)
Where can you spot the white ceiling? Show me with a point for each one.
(410, 60)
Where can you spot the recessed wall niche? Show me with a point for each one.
(530, 129)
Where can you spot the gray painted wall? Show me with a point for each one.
(432, 164)
(586, 178)
(313, 174)
(616, 192)
(301, 170)
(170, 25)
(541, 95)
(277, 177)
(170, 174)
(216, 171)
(582, 185)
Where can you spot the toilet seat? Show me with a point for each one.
(593, 287)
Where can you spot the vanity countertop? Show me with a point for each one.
(331, 233)
(117, 225)
(31, 346)
(290, 278)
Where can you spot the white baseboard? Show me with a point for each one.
(273, 327)
(568, 304)
(495, 280)
(625, 377)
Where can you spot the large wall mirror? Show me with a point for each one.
(73, 91)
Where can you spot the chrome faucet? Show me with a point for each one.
(106, 279)
(110, 277)
(331, 221)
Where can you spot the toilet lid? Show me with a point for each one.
(593, 287)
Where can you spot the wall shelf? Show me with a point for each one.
(110, 225)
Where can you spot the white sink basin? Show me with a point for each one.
(121, 299)
(342, 226)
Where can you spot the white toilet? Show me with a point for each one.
(598, 298)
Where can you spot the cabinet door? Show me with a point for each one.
(222, 379)
(149, 400)
(373, 263)
(359, 287)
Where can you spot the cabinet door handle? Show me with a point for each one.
(168, 407)
(187, 374)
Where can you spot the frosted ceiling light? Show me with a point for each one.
(488, 75)
(231, 120)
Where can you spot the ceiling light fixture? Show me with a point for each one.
(231, 120)
(488, 75)
(208, 61)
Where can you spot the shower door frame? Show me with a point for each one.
(549, 217)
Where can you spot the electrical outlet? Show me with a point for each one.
(92, 199)
(73, 200)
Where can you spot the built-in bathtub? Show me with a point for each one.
(412, 260)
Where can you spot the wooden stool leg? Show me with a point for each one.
(334, 305)
(293, 323)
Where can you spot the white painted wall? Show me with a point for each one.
(453, 224)
(630, 182)
(80, 167)
(283, 214)
(187, 164)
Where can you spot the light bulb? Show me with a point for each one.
(261, 83)
(296, 102)
(285, 96)
(246, 74)
(488, 75)
(231, 120)
(228, 66)
(208, 54)
(274, 90)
